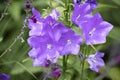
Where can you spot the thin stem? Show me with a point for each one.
(51, 4)
(64, 66)
(5, 10)
(27, 70)
(93, 47)
(18, 37)
(82, 67)
(65, 58)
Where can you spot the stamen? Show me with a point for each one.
(69, 42)
(92, 32)
(49, 46)
(94, 60)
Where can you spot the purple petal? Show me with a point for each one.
(79, 12)
(34, 53)
(95, 30)
(35, 12)
(99, 54)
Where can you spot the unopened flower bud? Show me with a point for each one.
(56, 73)
(47, 64)
(27, 5)
(81, 56)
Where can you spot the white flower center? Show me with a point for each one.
(92, 32)
(69, 42)
(50, 23)
(94, 60)
(78, 17)
(49, 46)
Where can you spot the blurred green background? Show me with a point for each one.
(18, 65)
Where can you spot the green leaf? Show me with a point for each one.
(116, 1)
(114, 73)
(15, 10)
(106, 6)
(18, 69)
(114, 34)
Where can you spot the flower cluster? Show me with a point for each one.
(94, 29)
(50, 39)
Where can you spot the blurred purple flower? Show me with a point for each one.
(71, 43)
(96, 61)
(4, 77)
(118, 59)
(95, 30)
(93, 4)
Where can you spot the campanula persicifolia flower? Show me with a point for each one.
(95, 30)
(48, 49)
(79, 13)
(71, 43)
(96, 61)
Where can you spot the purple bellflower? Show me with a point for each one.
(70, 42)
(80, 12)
(93, 4)
(4, 77)
(45, 49)
(36, 24)
(96, 61)
(49, 39)
(95, 30)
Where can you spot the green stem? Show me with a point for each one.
(65, 58)
(82, 67)
(64, 65)
(50, 5)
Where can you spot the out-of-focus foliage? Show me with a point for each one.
(19, 66)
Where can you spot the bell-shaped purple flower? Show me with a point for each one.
(95, 30)
(4, 77)
(96, 61)
(44, 48)
(70, 43)
(80, 12)
(36, 24)
(57, 31)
